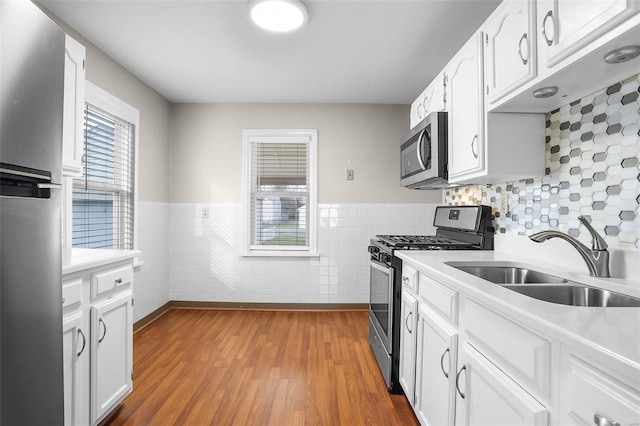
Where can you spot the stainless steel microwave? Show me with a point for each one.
(423, 154)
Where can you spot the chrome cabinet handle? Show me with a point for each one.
(105, 330)
(462, 395)
(119, 281)
(544, 29)
(84, 341)
(473, 151)
(406, 322)
(405, 279)
(522, 58)
(425, 103)
(441, 365)
(600, 420)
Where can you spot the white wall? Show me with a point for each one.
(151, 289)
(206, 150)
(206, 262)
(206, 171)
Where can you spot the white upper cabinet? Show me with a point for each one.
(568, 25)
(73, 115)
(432, 99)
(466, 109)
(510, 43)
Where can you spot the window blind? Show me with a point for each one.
(279, 194)
(103, 199)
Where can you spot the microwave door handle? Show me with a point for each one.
(419, 149)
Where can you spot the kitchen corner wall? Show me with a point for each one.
(592, 157)
(151, 289)
(205, 259)
(206, 262)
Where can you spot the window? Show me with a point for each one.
(280, 192)
(103, 200)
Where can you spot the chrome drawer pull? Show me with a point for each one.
(105, 330)
(600, 420)
(462, 395)
(84, 341)
(442, 366)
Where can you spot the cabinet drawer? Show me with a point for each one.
(441, 298)
(110, 279)
(519, 352)
(410, 278)
(71, 292)
(591, 391)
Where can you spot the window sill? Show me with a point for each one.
(283, 253)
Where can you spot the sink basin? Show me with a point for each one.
(576, 295)
(546, 287)
(509, 274)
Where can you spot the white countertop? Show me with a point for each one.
(615, 331)
(74, 260)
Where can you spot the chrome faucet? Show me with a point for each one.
(597, 258)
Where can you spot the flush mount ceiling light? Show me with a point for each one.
(280, 16)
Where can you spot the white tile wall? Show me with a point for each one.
(205, 262)
(151, 281)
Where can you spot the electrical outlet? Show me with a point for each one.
(504, 208)
(205, 212)
(349, 174)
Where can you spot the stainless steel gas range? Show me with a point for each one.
(457, 228)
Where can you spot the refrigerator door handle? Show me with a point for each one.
(49, 186)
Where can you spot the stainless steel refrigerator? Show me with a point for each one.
(31, 106)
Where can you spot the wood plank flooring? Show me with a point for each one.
(210, 367)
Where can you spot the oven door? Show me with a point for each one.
(381, 302)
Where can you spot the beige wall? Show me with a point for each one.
(206, 150)
(153, 148)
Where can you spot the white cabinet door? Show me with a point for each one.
(568, 25)
(432, 99)
(487, 396)
(590, 391)
(73, 115)
(436, 362)
(75, 349)
(510, 42)
(111, 353)
(466, 110)
(408, 315)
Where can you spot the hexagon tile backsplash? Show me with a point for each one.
(592, 169)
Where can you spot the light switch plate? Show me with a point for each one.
(349, 174)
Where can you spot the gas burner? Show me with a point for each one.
(422, 242)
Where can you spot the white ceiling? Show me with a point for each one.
(362, 51)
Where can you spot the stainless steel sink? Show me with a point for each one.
(576, 295)
(508, 274)
(546, 287)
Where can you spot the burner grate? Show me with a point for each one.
(422, 242)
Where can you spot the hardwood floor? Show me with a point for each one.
(200, 367)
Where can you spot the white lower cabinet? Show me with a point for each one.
(74, 356)
(97, 342)
(598, 393)
(408, 328)
(111, 348)
(436, 363)
(487, 396)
